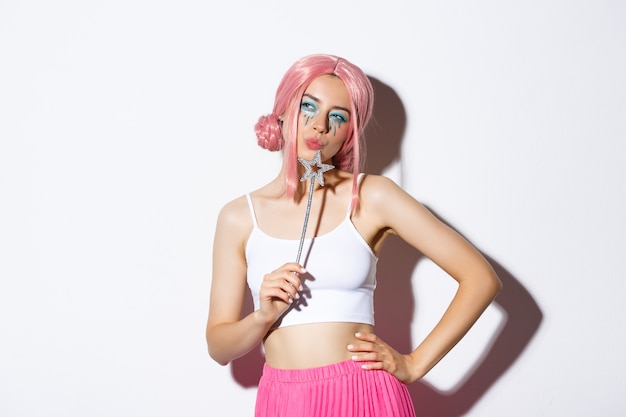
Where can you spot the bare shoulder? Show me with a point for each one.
(389, 205)
(378, 189)
(234, 218)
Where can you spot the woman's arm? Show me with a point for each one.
(399, 213)
(228, 335)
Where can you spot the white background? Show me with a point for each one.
(126, 125)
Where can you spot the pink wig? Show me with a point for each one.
(274, 134)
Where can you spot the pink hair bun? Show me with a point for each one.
(269, 134)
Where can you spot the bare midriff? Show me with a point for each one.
(311, 345)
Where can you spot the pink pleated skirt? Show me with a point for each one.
(339, 390)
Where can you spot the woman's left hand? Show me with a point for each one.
(376, 354)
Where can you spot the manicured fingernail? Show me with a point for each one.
(357, 334)
(355, 358)
(303, 270)
(350, 347)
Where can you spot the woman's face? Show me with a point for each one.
(324, 119)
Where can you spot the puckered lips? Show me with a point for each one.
(313, 144)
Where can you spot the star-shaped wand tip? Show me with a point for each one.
(318, 174)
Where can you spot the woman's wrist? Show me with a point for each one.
(263, 319)
(419, 366)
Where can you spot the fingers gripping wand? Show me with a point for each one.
(313, 175)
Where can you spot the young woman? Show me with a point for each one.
(315, 318)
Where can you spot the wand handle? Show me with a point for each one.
(306, 221)
(317, 175)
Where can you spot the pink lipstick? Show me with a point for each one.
(313, 144)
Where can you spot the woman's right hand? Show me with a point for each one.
(278, 290)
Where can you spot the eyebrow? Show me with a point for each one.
(312, 97)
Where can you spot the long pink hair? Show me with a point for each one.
(274, 134)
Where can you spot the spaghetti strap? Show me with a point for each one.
(251, 206)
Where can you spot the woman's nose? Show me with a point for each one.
(320, 124)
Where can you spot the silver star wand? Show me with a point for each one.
(313, 175)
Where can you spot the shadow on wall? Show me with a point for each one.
(395, 304)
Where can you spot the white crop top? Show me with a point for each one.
(340, 279)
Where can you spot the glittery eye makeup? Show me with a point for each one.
(309, 110)
(336, 120)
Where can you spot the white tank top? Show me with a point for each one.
(340, 279)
